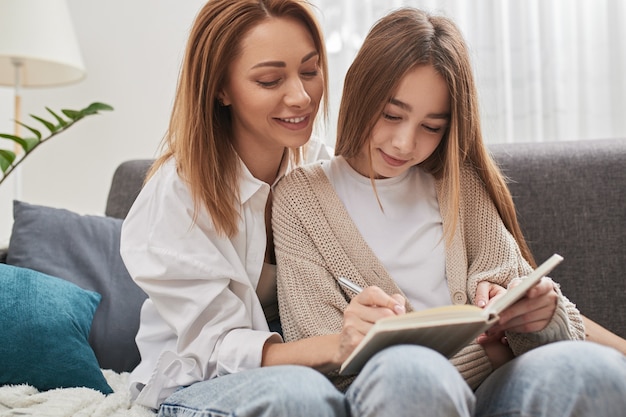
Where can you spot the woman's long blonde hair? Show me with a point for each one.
(199, 136)
(396, 44)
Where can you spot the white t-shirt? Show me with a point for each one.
(406, 234)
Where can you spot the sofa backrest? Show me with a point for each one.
(570, 198)
(127, 181)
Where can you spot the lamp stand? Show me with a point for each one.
(17, 177)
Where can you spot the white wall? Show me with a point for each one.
(6, 189)
(132, 52)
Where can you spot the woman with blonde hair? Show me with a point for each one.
(413, 209)
(198, 238)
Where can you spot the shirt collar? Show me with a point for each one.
(249, 185)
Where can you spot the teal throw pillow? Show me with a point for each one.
(45, 323)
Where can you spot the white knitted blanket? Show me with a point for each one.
(25, 400)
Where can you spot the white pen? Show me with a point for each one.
(346, 283)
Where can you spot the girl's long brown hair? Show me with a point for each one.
(397, 43)
(199, 136)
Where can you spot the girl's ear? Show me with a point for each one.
(223, 99)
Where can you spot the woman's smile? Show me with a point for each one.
(294, 123)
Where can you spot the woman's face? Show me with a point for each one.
(274, 86)
(410, 127)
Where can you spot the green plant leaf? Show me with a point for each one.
(16, 139)
(51, 127)
(72, 114)
(30, 144)
(34, 131)
(6, 159)
(27, 144)
(11, 137)
(9, 160)
(61, 120)
(94, 108)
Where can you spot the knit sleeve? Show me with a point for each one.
(492, 252)
(493, 255)
(310, 301)
(316, 241)
(473, 364)
(566, 324)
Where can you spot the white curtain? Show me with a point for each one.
(547, 70)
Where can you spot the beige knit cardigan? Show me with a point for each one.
(315, 240)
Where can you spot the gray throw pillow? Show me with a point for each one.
(84, 250)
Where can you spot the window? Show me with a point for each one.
(546, 70)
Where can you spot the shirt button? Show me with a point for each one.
(459, 297)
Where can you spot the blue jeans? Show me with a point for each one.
(273, 391)
(409, 380)
(560, 379)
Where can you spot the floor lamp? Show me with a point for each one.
(38, 48)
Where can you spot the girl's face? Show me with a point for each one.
(410, 127)
(274, 87)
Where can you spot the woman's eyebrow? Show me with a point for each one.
(309, 56)
(282, 64)
(278, 64)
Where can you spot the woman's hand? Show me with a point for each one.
(363, 311)
(533, 312)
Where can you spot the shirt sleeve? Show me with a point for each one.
(203, 310)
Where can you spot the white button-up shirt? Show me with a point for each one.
(203, 318)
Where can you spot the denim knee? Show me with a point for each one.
(419, 381)
(599, 372)
(271, 391)
(569, 378)
(585, 361)
(403, 362)
(302, 391)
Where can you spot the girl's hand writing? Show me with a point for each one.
(363, 311)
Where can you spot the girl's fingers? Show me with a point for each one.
(526, 306)
(486, 292)
(369, 306)
(544, 286)
(533, 320)
(399, 308)
(482, 294)
(373, 296)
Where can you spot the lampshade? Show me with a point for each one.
(39, 36)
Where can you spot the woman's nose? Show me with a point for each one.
(296, 94)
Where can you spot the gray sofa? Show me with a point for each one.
(571, 199)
